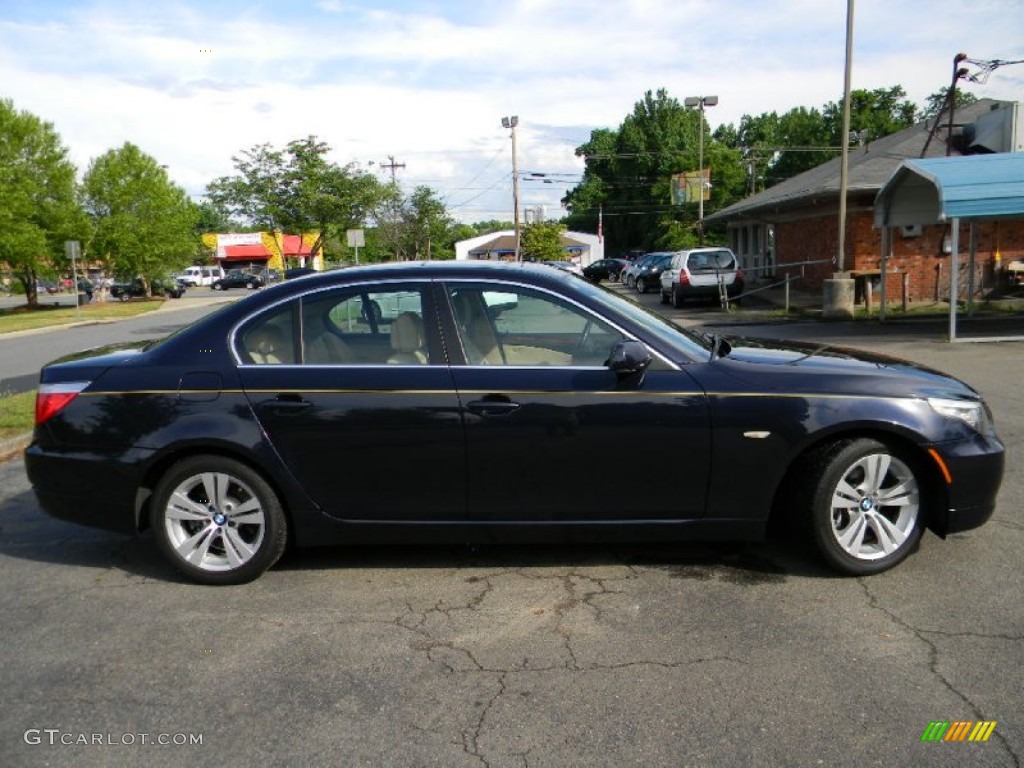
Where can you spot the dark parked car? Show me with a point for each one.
(645, 274)
(237, 280)
(454, 399)
(605, 269)
(160, 286)
(291, 274)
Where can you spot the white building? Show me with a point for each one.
(581, 247)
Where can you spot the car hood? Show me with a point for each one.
(795, 366)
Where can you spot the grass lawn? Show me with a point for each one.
(22, 318)
(17, 414)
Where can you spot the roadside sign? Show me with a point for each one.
(356, 238)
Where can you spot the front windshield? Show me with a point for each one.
(696, 346)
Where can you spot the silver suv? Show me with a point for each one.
(700, 272)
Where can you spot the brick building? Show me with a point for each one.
(792, 228)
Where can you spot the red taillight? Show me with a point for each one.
(51, 399)
(684, 279)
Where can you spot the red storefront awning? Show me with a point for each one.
(244, 252)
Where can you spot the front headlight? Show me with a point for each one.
(971, 412)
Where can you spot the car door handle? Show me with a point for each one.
(493, 405)
(285, 403)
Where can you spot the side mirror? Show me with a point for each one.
(629, 357)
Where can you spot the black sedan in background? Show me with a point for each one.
(457, 399)
(605, 269)
(237, 280)
(161, 286)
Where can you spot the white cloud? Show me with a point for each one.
(193, 84)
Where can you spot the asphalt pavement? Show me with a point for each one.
(652, 655)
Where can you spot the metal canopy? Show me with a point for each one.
(938, 189)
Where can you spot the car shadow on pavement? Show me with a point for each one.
(739, 563)
(26, 533)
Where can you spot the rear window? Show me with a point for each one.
(711, 261)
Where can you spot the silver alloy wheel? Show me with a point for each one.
(875, 506)
(214, 521)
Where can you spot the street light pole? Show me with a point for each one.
(511, 123)
(700, 102)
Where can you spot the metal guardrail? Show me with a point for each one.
(726, 299)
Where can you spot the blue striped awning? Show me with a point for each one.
(934, 190)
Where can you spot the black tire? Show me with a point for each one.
(237, 550)
(250, 285)
(677, 299)
(614, 276)
(217, 287)
(854, 530)
(629, 281)
(663, 297)
(641, 285)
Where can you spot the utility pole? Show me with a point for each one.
(844, 136)
(392, 166)
(511, 123)
(701, 102)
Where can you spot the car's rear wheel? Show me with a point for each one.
(217, 287)
(677, 298)
(865, 505)
(664, 297)
(629, 281)
(217, 520)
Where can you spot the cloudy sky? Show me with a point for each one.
(426, 82)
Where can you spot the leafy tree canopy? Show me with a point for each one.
(145, 225)
(38, 205)
(542, 241)
(297, 190)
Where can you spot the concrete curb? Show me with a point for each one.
(13, 447)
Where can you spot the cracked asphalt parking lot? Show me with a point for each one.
(653, 655)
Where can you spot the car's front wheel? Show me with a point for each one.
(641, 285)
(217, 520)
(865, 505)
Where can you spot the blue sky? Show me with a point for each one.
(194, 82)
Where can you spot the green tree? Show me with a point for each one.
(321, 196)
(415, 227)
(38, 205)
(145, 225)
(876, 113)
(297, 190)
(542, 241)
(938, 102)
(628, 172)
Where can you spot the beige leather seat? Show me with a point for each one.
(267, 346)
(325, 348)
(407, 340)
(478, 340)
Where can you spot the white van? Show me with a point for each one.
(193, 276)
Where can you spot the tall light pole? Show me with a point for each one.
(701, 102)
(844, 137)
(511, 123)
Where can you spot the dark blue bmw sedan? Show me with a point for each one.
(457, 398)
